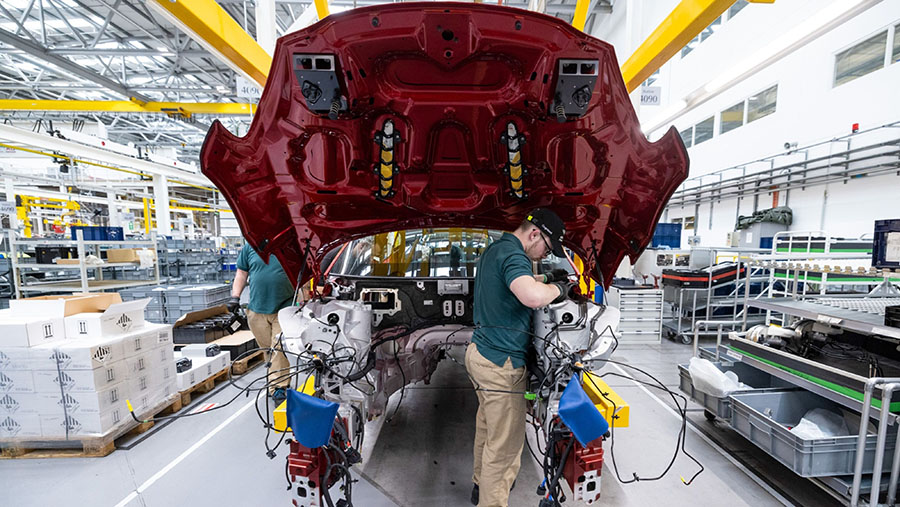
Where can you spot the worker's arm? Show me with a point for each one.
(532, 293)
(240, 281)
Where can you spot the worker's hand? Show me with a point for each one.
(233, 304)
(557, 275)
(564, 288)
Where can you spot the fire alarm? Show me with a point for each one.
(855, 128)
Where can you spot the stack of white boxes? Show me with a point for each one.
(77, 386)
(202, 366)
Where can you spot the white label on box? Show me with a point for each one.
(892, 247)
(49, 381)
(20, 426)
(13, 403)
(16, 382)
(17, 358)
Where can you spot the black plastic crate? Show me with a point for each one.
(46, 254)
(886, 232)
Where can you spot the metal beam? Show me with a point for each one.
(688, 19)
(69, 66)
(213, 28)
(186, 109)
(36, 139)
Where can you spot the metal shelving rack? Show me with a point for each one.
(850, 488)
(90, 275)
(684, 313)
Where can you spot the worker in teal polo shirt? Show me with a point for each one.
(270, 291)
(506, 292)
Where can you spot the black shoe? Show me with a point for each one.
(475, 492)
(278, 396)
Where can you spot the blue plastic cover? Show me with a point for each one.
(311, 419)
(578, 412)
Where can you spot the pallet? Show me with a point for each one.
(88, 447)
(204, 386)
(242, 366)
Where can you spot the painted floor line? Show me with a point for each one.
(709, 441)
(172, 464)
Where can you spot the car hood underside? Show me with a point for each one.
(418, 115)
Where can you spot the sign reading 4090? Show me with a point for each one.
(650, 95)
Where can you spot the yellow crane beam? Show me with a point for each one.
(688, 19)
(186, 109)
(212, 27)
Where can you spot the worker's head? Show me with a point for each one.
(542, 233)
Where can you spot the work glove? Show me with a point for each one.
(564, 288)
(233, 304)
(557, 275)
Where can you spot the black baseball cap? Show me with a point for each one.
(550, 224)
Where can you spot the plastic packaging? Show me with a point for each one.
(821, 423)
(711, 380)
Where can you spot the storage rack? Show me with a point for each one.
(844, 314)
(190, 260)
(90, 276)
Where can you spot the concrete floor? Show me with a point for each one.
(421, 457)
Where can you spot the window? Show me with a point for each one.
(895, 57)
(736, 8)
(731, 118)
(762, 104)
(687, 136)
(861, 59)
(711, 29)
(703, 131)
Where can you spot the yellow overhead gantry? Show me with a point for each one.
(214, 29)
(688, 19)
(184, 109)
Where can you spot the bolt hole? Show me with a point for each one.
(447, 35)
(518, 25)
(448, 54)
(375, 22)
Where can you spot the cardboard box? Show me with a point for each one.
(49, 381)
(81, 354)
(31, 323)
(117, 319)
(237, 343)
(84, 424)
(16, 381)
(125, 254)
(74, 403)
(162, 355)
(20, 426)
(150, 336)
(83, 302)
(14, 403)
(141, 364)
(18, 358)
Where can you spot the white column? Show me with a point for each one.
(161, 205)
(115, 219)
(265, 25)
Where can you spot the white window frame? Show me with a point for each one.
(747, 100)
(888, 47)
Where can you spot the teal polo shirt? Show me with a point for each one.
(495, 304)
(270, 288)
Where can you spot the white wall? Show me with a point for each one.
(809, 109)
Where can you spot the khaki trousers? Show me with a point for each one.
(499, 426)
(265, 329)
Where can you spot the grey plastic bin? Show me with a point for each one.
(764, 418)
(721, 406)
